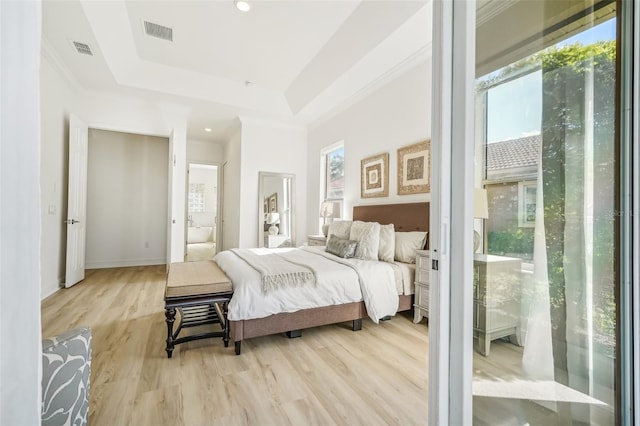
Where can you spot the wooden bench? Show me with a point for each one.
(200, 291)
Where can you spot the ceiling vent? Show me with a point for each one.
(158, 31)
(82, 48)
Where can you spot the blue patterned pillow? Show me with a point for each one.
(341, 247)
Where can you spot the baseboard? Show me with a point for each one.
(125, 263)
(50, 289)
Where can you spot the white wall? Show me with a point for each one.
(60, 95)
(20, 335)
(204, 152)
(270, 147)
(396, 115)
(126, 199)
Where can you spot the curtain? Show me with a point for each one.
(574, 252)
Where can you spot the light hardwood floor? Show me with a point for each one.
(332, 375)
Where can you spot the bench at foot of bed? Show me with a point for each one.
(200, 291)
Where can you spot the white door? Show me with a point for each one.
(221, 213)
(77, 200)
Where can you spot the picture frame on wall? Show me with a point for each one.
(374, 176)
(414, 168)
(273, 203)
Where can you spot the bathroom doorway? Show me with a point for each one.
(202, 211)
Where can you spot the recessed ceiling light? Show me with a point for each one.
(242, 6)
(207, 129)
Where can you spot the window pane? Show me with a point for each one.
(544, 308)
(335, 174)
(196, 198)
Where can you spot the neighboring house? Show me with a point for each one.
(512, 167)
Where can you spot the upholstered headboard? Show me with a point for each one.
(405, 217)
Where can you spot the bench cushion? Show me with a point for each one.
(196, 278)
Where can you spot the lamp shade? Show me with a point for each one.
(272, 218)
(480, 208)
(326, 209)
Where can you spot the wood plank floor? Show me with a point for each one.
(332, 375)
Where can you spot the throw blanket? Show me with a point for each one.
(277, 270)
(377, 283)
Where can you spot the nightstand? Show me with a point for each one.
(421, 297)
(316, 240)
(496, 299)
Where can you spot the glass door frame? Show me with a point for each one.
(629, 276)
(451, 233)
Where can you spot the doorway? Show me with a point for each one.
(202, 212)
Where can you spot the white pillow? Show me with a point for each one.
(367, 234)
(387, 246)
(340, 228)
(407, 243)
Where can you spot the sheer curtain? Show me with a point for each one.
(570, 329)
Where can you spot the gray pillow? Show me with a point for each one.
(341, 247)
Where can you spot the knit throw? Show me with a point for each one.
(277, 271)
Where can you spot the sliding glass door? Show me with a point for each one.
(545, 318)
(545, 277)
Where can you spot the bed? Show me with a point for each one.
(404, 217)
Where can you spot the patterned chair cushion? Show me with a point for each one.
(66, 370)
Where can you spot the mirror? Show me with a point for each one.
(276, 217)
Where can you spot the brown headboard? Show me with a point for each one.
(405, 217)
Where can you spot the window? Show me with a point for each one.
(334, 173)
(196, 198)
(332, 184)
(526, 204)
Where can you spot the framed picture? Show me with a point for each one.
(414, 174)
(374, 176)
(273, 202)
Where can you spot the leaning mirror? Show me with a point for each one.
(276, 218)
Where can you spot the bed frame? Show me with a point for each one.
(405, 217)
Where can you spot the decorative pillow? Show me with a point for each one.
(407, 243)
(340, 228)
(341, 247)
(367, 234)
(387, 246)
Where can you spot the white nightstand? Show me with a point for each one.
(316, 240)
(421, 297)
(496, 299)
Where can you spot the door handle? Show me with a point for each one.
(71, 221)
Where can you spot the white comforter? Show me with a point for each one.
(338, 281)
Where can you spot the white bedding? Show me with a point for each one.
(408, 274)
(339, 281)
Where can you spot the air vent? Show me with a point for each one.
(158, 31)
(82, 48)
